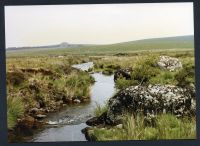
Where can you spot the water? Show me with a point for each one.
(83, 66)
(61, 133)
(66, 125)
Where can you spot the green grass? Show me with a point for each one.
(186, 75)
(45, 82)
(78, 85)
(15, 110)
(134, 128)
(164, 77)
(145, 69)
(99, 110)
(122, 83)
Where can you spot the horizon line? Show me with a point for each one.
(100, 44)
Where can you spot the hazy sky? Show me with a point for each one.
(95, 24)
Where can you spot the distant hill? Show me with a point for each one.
(58, 46)
(187, 38)
(178, 43)
(154, 44)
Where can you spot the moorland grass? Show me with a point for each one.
(107, 58)
(100, 109)
(145, 71)
(134, 128)
(41, 82)
(15, 109)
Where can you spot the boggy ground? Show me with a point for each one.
(39, 85)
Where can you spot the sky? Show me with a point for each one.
(95, 23)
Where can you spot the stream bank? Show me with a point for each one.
(67, 123)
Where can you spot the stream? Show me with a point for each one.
(66, 125)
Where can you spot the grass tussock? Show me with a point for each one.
(134, 128)
(186, 75)
(99, 110)
(145, 69)
(15, 111)
(164, 77)
(122, 83)
(77, 85)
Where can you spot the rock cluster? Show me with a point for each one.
(169, 63)
(149, 100)
(125, 73)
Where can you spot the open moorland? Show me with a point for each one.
(153, 98)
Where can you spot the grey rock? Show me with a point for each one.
(120, 126)
(33, 110)
(40, 116)
(125, 73)
(169, 63)
(77, 101)
(149, 100)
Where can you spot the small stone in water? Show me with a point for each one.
(40, 116)
(52, 122)
(77, 101)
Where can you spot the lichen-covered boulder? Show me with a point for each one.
(152, 99)
(169, 63)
